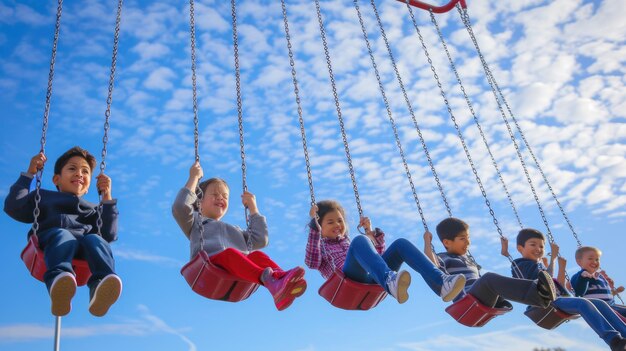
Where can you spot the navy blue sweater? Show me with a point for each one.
(60, 210)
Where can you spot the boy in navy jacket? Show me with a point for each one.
(598, 315)
(67, 228)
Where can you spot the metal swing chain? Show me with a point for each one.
(471, 109)
(296, 92)
(46, 112)
(196, 133)
(192, 36)
(389, 114)
(109, 101)
(512, 136)
(240, 113)
(458, 130)
(411, 112)
(495, 87)
(339, 116)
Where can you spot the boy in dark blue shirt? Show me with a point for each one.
(490, 289)
(597, 314)
(591, 282)
(68, 228)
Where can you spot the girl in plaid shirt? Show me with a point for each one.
(364, 258)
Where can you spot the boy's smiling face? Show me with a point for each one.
(590, 261)
(75, 177)
(459, 245)
(533, 249)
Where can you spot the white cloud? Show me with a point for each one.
(160, 79)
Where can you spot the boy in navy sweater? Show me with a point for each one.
(591, 282)
(490, 289)
(67, 228)
(597, 314)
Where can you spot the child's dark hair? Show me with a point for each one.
(205, 184)
(75, 151)
(528, 233)
(450, 228)
(325, 206)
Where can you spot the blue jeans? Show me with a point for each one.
(597, 313)
(619, 309)
(363, 264)
(60, 246)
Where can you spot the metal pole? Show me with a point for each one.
(57, 334)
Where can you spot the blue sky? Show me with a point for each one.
(560, 64)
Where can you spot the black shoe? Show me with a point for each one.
(618, 344)
(105, 294)
(546, 287)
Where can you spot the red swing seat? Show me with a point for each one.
(213, 282)
(33, 258)
(472, 313)
(550, 317)
(347, 294)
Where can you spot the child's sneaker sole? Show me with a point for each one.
(404, 280)
(459, 284)
(62, 291)
(106, 294)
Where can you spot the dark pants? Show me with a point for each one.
(60, 246)
(491, 288)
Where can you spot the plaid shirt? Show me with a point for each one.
(326, 254)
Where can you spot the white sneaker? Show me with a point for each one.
(105, 295)
(452, 286)
(62, 291)
(398, 285)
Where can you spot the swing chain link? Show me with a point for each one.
(199, 193)
(389, 114)
(44, 127)
(109, 101)
(471, 109)
(410, 107)
(459, 133)
(240, 111)
(498, 92)
(296, 91)
(338, 107)
(192, 36)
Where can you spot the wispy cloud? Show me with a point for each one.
(147, 324)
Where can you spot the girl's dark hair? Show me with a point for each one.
(201, 189)
(325, 206)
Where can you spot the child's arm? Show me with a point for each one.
(561, 274)
(109, 209)
(182, 208)
(504, 249)
(554, 253)
(580, 282)
(256, 234)
(428, 248)
(19, 203)
(377, 236)
(313, 253)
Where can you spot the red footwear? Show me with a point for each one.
(287, 288)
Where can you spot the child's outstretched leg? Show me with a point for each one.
(594, 318)
(105, 287)
(285, 286)
(445, 285)
(365, 265)
(491, 286)
(59, 246)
